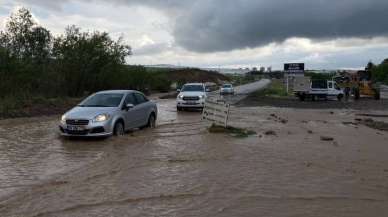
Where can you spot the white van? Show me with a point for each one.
(304, 88)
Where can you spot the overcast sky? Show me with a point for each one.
(325, 34)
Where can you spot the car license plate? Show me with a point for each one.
(75, 128)
(191, 103)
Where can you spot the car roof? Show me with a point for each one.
(118, 91)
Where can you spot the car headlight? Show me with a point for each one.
(180, 96)
(63, 118)
(201, 96)
(101, 118)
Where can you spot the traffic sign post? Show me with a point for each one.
(293, 70)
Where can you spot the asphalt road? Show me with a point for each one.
(242, 91)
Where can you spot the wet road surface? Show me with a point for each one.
(179, 169)
(241, 92)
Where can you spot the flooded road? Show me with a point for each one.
(179, 169)
(31, 150)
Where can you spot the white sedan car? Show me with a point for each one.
(227, 89)
(109, 113)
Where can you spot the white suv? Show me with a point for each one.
(191, 95)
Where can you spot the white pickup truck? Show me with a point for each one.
(304, 88)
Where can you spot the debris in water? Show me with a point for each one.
(284, 121)
(270, 133)
(377, 125)
(235, 132)
(281, 120)
(349, 123)
(373, 115)
(327, 138)
(309, 164)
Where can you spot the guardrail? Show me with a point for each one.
(216, 112)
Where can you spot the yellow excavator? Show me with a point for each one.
(358, 84)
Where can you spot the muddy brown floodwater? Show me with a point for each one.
(179, 169)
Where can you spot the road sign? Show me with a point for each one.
(294, 68)
(216, 111)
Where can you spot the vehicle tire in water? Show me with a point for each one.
(302, 97)
(377, 95)
(356, 94)
(179, 109)
(119, 129)
(339, 97)
(151, 121)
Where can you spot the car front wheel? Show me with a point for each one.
(118, 129)
(151, 121)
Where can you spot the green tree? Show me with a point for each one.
(26, 48)
(25, 39)
(83, 58)
(380, 72)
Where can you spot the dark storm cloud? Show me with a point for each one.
(226, 25)
(223, 25)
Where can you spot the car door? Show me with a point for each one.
(130, 115)
(330, 88)
(142, 109)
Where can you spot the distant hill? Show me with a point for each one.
(187, 75)
(166, 66)
(220, 70)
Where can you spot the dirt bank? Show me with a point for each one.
(57, 106)
(195, 75)
(41, 107)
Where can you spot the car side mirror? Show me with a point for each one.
(129, 106)
(178, 90)
(207, 90)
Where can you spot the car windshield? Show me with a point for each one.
(227, 86)
(103, 100)
(193, 88)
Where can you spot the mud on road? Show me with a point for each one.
(180, 169)
(293, 102)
